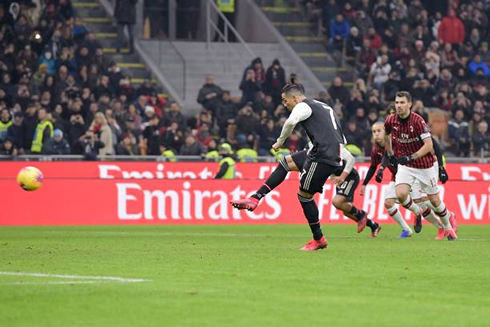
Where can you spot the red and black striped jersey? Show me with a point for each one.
(407, 137)
(377, 154)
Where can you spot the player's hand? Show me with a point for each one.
(362, 190)
(337, 180)
(404, 160)
(276, 146)
(379, 175)
(443, 177)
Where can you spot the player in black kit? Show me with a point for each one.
(322, 160)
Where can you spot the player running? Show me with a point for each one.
(378, 157)
(409, 143)
(322, 160)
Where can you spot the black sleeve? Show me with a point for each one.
(438, 152)
(370, 174)
(385, 161)
(222, 171)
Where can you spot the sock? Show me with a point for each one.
(429, 204)
(356, 213)
(311, 213)
(395, 214)
(412, 206)
(428, 215)
(275, 179)
(444, 215)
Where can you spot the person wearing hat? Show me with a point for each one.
(57, 145)
(227, 168)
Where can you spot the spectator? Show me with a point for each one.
(374, 38)
(175, 115)
(103, 132)
(451, 29)
(227, 8)
(353, 46)
(57, 145)
(246, 123)
(8, 149)
(362, 21)
(391, 86)
(338, 92)
(356, 101)
(209, 95)
(459, 136)
(275, 79)
(151, 136)
(44, 131)
(191, 147)
(226, 111)
(268, 134)
(424, 91)
(379, 72)
(91, 145)
(339, 32)
(258, 69)
(352, 135)
(125, 13)
(250, 88)
(5, 123)
(484, 52)
(172, 138)
(16, 131)
(367, 56)
(477, 64)
(481, 139)
(128, 146)
(444, 100)
(449, 57)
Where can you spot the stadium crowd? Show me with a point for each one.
(59, 93)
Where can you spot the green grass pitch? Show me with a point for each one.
(242, 276)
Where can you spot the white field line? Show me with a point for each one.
(91, 278)
(52, 283)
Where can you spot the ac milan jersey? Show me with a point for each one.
(407, 137)
(377, 154)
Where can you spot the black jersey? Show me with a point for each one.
(325, 132)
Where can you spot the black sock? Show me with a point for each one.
(311, 213)
(276, 178)
(371, 224)
(356, 212)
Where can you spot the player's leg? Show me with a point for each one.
(344, 199)
(404, 178)
(313, 177)
(390, 205)
(452, 219)
(428, 182)
(292, 162)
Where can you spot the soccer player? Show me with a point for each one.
(409, 143)
(323, 159)
(378, 157)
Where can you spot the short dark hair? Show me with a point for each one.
(404, 94)
(292, 86)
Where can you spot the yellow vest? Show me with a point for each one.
(4, 126)
(230, 173)
(170, 155)
(37, 142)
(212, 156)
(227, 6)
(247, 155)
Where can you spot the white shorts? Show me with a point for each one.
(427, 178)
(415, 191)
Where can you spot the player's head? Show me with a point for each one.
(292, 94)
(378, 131)
(403, 103)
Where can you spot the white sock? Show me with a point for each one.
(412, 206)
(430, 205)
(395, 214)
(444, 215)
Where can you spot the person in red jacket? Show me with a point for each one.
(451, 29)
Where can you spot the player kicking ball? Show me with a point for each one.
(408, 142)
(316, 165)
(379, 158)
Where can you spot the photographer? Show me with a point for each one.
(75, 132)
(90, 144)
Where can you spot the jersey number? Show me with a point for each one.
(330, 111)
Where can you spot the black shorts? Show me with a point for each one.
(314, 175)
(348, 187)
(299, 159)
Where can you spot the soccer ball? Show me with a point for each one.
(30, 178)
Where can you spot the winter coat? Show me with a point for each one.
(125, 11)
(451, 30)
(209, 104)
(54, 147)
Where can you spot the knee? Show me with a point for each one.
(337, 202)
(305, 196)
(435, 201)
(401, 195)
(389, 203)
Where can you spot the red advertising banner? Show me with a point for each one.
(96, 193)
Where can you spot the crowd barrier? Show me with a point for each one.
(109, 193)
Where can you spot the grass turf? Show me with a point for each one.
(244, 276)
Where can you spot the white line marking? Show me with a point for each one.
(52, 283)
(93, 278)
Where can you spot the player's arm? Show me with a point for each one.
(349, 165)
(443, 176)
(424, 150)
(300, 112)
(388, 146)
